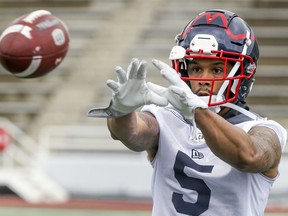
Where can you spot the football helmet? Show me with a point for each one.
(223, 35)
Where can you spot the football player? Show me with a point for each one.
(210, 154)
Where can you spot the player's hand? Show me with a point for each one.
(129, 92)
(178, 93)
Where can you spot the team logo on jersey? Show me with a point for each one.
(196, 154)
(199, 137)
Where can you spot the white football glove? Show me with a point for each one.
(129, 93)
(178, 93)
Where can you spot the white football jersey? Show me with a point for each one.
(188, 179)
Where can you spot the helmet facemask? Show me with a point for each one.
(205, 46)
(232, 79)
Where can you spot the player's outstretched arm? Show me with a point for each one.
(257, 151)
(138, 131)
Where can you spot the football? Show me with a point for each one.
(34, 44)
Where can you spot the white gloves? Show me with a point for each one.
(129, 93)
(178, 93)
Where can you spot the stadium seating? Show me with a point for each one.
(89, 64)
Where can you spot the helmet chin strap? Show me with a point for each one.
(241, 110)
(216, 109)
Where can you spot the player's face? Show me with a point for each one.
(208, 69)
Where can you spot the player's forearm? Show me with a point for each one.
(134, 131)
(228, 142)
(124, 129)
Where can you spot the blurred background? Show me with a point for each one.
(51, 152)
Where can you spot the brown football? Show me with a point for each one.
(34, 44)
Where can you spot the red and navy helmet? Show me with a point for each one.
(219, 34)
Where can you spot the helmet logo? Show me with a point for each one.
(208, 18)
(215, 19)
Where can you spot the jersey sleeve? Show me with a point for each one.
(279, 130)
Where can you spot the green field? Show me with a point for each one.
(12, 211)
(17, 211)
